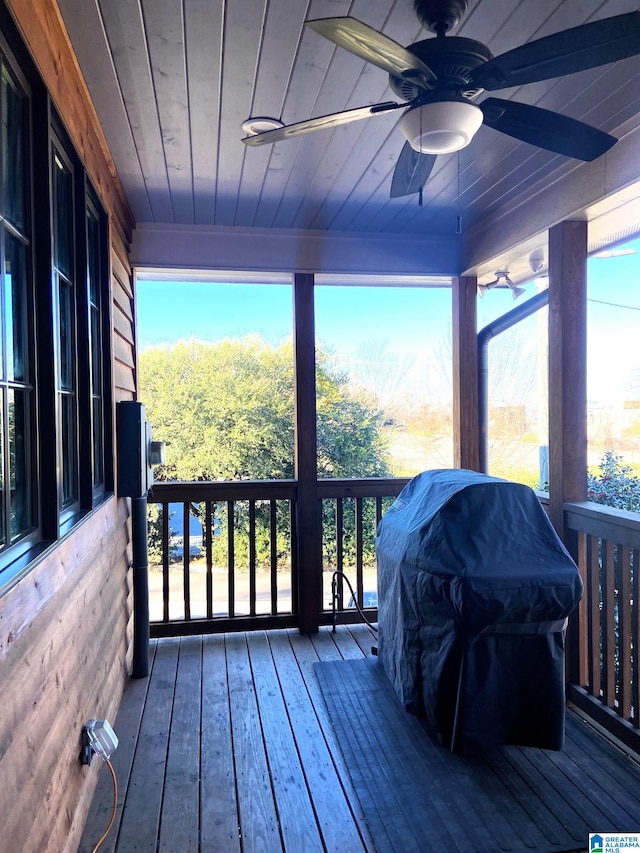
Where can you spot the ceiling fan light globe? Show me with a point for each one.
(441, 127)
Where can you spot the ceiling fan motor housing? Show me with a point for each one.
(452, 60)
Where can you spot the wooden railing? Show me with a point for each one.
(351, 511)
(603, 648)
(240, 570)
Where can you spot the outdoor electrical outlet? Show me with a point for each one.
(98, 738)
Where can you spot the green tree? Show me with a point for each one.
(227, 412)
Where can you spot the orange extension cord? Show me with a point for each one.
(115, 805)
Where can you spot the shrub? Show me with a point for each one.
(614, 485)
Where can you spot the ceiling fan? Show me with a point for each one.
(439, 79)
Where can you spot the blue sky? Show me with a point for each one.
(412, 320)
(169, 311)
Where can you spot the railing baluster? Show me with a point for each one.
(624, 630)
(340, 551)
(186, 557)
(635, 637)
(580, 650)
(293, 527)
(252, 558)
(209, 514)
(608, 628)
(273, 554)
(231, 557)
(593, 619)
(165, 562)
(359, 554)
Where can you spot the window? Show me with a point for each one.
(16, 309)
(56, 442)
(95, 283)
(516, 391)
(63, 276)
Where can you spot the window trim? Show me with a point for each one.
(44, 138)
(68, 512)
(10, 552)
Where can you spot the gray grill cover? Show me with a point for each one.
(474, 590)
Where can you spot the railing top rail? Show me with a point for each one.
(366, 487)
(223, 490)
(615, 525)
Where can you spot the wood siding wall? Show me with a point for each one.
(65, 628)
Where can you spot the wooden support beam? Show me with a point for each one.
(567, 368)
(466, 435)
(309, 529)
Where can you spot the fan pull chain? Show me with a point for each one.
(420, 197)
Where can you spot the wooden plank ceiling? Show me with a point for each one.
(172, 81)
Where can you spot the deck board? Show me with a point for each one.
(337, 824)
(228, 746)
(138, 830)
(508, 799)
(256, 805)
(295, 811)
(179, 825)
(218, 801)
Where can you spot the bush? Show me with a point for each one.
(615, 485)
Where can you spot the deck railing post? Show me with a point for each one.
(309, 520)
(466, 439)
(567, 368)
(568, 389)
(140, 569)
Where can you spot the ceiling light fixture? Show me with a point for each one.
(441, 127)
(260, 124)
(500, 276)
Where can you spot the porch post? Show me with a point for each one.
(567, 368)
(466, 435)
(308, 519)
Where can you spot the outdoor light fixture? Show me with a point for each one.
(441, 127)
(501, 275)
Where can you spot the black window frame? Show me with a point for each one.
(14, 549)
(51, 517)
(64, 284)
(96, 468)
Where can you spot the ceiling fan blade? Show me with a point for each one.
(375, 47)
(411, 172)
(546, 129)
(587, 46)
(320, 123)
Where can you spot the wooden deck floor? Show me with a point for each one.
(227, 746)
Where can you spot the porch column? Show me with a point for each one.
(466, 434)
(308, 573)
(567, 368)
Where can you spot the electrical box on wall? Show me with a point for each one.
(137, 452)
